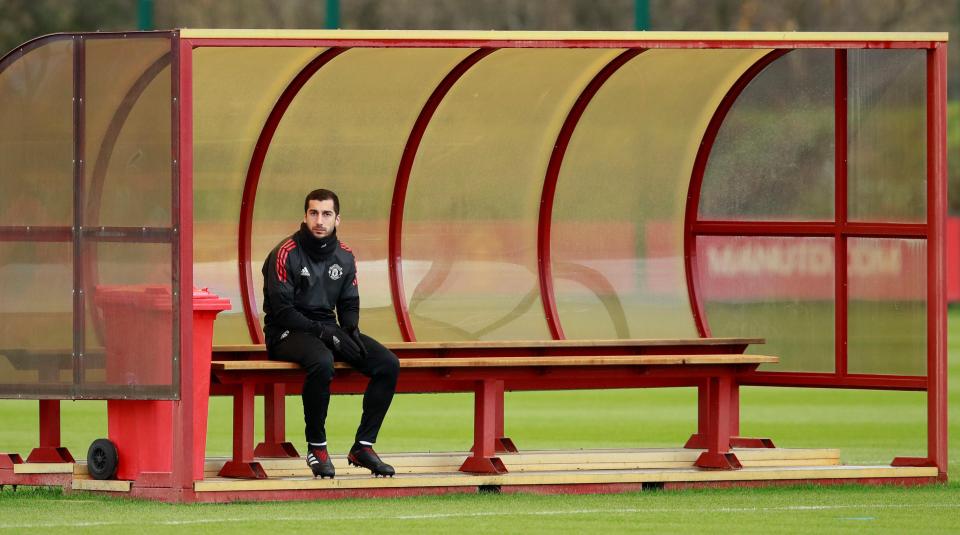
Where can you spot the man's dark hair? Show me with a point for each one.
(322, 195)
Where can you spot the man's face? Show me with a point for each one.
(320, 218)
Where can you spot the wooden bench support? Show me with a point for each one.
(502, 444)
(720, 395)
(50, 450)
(488, 395)
(242, 465)
(274, 443)
(698, 440)
(488, 369)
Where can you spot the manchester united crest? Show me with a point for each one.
(335, 271)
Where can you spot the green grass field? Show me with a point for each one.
(868, 427)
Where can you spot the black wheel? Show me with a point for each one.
(102, 459)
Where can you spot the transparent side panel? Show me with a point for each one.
(129, 321)
(780, 289)
(346, 132)
(234, 90)
(887, 133)
(887, 320)
(36, 318)
(127, 112)
(773, 158)
(36, 141)
(470, 225)
(617, 238)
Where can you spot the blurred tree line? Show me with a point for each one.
(21, 20)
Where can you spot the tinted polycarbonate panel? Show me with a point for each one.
(887, 285)
(36, 141)
(36, 319)
(346, 132)
(780, 289)
(234, 90)
(127, 110)
(887, 130)
(470, 225)
(773, 158)
(617, 238)
(129, 322)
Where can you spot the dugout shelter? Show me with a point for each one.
(496, 185)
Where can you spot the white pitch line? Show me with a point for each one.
(439, 516)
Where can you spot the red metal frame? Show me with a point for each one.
(395, 237)
(841, 229)
(49, 449)
(840, 211)
(79, 148)
(822, 229)
(14, 55)
(547, 195)
(182, 191)
(274, 425)
(690, 217)
(933, 230)
(252, 182)
(833, 380)
(553, 43)
(936, 258)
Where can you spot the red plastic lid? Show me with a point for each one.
(203, 299)
(156, 297)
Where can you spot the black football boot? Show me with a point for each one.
(319, 462)
(365, 457)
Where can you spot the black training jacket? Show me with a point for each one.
(300, 292)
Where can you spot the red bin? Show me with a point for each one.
(138, 344)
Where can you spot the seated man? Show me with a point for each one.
(304, 278)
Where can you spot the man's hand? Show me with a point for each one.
(340, 341)
(354, 333)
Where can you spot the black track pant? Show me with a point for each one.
(380, 365)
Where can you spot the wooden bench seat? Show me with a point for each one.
(488, 369)
(493, 362)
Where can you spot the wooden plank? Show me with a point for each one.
(511, 344)
(512, 362)
(43, 468)
(538, 35)
(553, 461)
(583, 457)
(792, 462)
(579, 477)
(101, 485)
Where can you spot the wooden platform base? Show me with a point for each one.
(546, 472)
(617, 469)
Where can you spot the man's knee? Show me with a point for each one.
(385, 363)
(389, 364)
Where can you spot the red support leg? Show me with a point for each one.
(718, 455)
(698, 440)
(7, 460)
(50, 450)
(737, 441)
(483, 460)
(502, 443)
(243, 465)
(274, 423)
